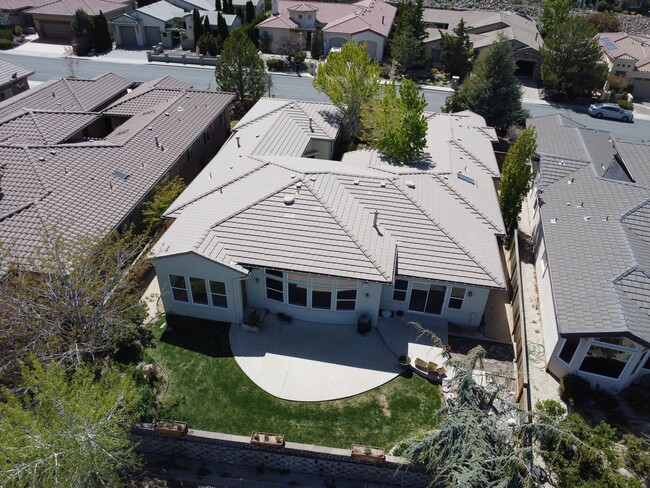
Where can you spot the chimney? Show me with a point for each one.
(238, 144)
(374, 220)
(310, 126)
(157, 143)
(274, 7)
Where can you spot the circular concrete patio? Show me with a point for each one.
(311, 362)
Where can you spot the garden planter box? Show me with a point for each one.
(253, 318)
(368, 453)
(267, 440)
(171, 428)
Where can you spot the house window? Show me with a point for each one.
(179, 288)
(206, 137)
(647, 364)
(544, 263)
(222, 118)
(199, 294)
(190, 155)
(346, 299)
(569, 349)
(321, 298)
(399, 290)
(274, 285)
(218, 294)
(535, 206)
(300, 16)
(427, 298)
(456, 298)
(608, 356)
(297, 294)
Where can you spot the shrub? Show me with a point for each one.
(18, 31)
(617, 82)
(385, 70)
(627, 105)
(604, 7)
(276, 64)
(6, 44)
(550, 407)
(6, 34)
(638, 398)
(604, 21)
(637, 456)
(574, 390)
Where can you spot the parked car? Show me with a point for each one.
(610, 111)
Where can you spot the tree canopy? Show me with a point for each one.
(407, 45)
(67, 430)
(492, 90)
(241, 69)
(222, 27)
(317, 44)
(250, 12)
(572, 64)
(197, 26)
(457, 51)
(350, 78)
(516, 176)
(396, 125)
(556, 12)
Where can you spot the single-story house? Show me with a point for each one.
(629, 55)
(484, 27)
(83, 156)
(53, 20)
(368, 22)
(273, 223)
(590, 206)
(147, 26)
(13, 79)
(16, 10)
(232, 21)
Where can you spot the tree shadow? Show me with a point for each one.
(206, 337)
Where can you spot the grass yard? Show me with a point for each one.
(209, 391)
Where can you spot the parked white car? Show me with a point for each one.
(610, 111)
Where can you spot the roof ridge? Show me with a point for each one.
(264, 115)
(65, 83)
(38, 128)
(444, 231)
(344, 228)
(467, 202)
(481, 163)
(634, 209)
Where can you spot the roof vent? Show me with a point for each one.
(41, 158)
(382, 184)
(166, 114)
(53, 152)
(179, 109)
(570, 182)
(562, 163)
(289, 200)
(121, 175)
(409, 183)
(605, 219)
(312, 178)
(580, 205)
(554, 220)
(568, 204)
(150, 128)
(356, 182)
(586, 218)
(292, 176)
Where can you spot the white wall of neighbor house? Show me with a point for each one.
(211, 291)
(457, 303)
(263, 290)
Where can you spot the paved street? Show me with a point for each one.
(284, 86)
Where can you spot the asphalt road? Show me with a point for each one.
(288, 86)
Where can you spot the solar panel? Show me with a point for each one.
(609, 45)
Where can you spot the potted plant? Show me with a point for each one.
(267, 440)
(404, 360)
(368, 453)
(252, 322)
(171, 428)
(421, 364)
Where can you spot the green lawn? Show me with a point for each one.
(209, 390)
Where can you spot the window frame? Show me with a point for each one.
(192, 280)
(312, 284)
(461, 300)
(606, 345)
(185, 289)
(400, 290)
(213, 293)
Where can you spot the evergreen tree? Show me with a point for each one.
(197, 26)
(572, 64)
(206, 25)
(239, 12)
(492, 90)
(82, 31)
(457, 51)
(317, 45)
(241, 69)
(222, 27)
(217, 5)
(106, 32)
(207, 44)
(250, 12)
(164, 195)
(407, 45)
(516, 177)
(556, 12)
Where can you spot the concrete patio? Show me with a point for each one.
(311, 362)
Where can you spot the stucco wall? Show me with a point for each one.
(358, 38)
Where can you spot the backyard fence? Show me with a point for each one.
(212, 447)
(519, 322)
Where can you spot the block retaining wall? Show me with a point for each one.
(294, 457)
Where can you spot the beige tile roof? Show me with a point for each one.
(9, 5)
(69, 7)
(74, 185)
(43, 127)
(635, 47)
(432, 224)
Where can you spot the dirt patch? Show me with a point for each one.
(385, 408)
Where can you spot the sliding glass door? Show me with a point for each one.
(427, 298)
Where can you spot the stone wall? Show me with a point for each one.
(294, 457)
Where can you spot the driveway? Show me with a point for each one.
(311, 362)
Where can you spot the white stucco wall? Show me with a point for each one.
(195, 266)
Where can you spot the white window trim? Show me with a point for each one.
(172, 288)
(607, 345)
(191, 293)
(309, 284)
(224, 294)
(445, 305)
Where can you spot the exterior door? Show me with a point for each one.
(427, 298)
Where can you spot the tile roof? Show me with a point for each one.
(161, 10)
(69, 7)
(72, 183)
(635, 47)
(596, 230)
(636, 158)
(67, 95)
(370, 15)
(431, 224)
(10, 5)
(11, 73)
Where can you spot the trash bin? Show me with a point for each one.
(364, 324)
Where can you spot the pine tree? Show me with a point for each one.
(239, 12)
(222, 27)
(250, 12)
(217, 5)
(317, 46)
(206, 25)
(196, 22)
(457, 51)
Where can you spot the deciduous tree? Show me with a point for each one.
(350, 78)
(241, 69)
(290, 44)
(516, 176)
(572, 64)
(457, 51)
(492, 90)
(66, 429)
(396, 125)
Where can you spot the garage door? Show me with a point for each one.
(127, 36)
(56, 29)
(151, 36)
(371, 49)
(337, 42)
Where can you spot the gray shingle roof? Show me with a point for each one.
(432, 224)
(10, 72)
(597, 233)
(72, 184)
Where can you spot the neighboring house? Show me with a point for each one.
(82, 156)
(53, 20)
(232, 21)
(629, 55)
(273, 223)
(149, 25)
(16, 10)
(13, 79)
(591, 213)
(484, 28)
(368, 22)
